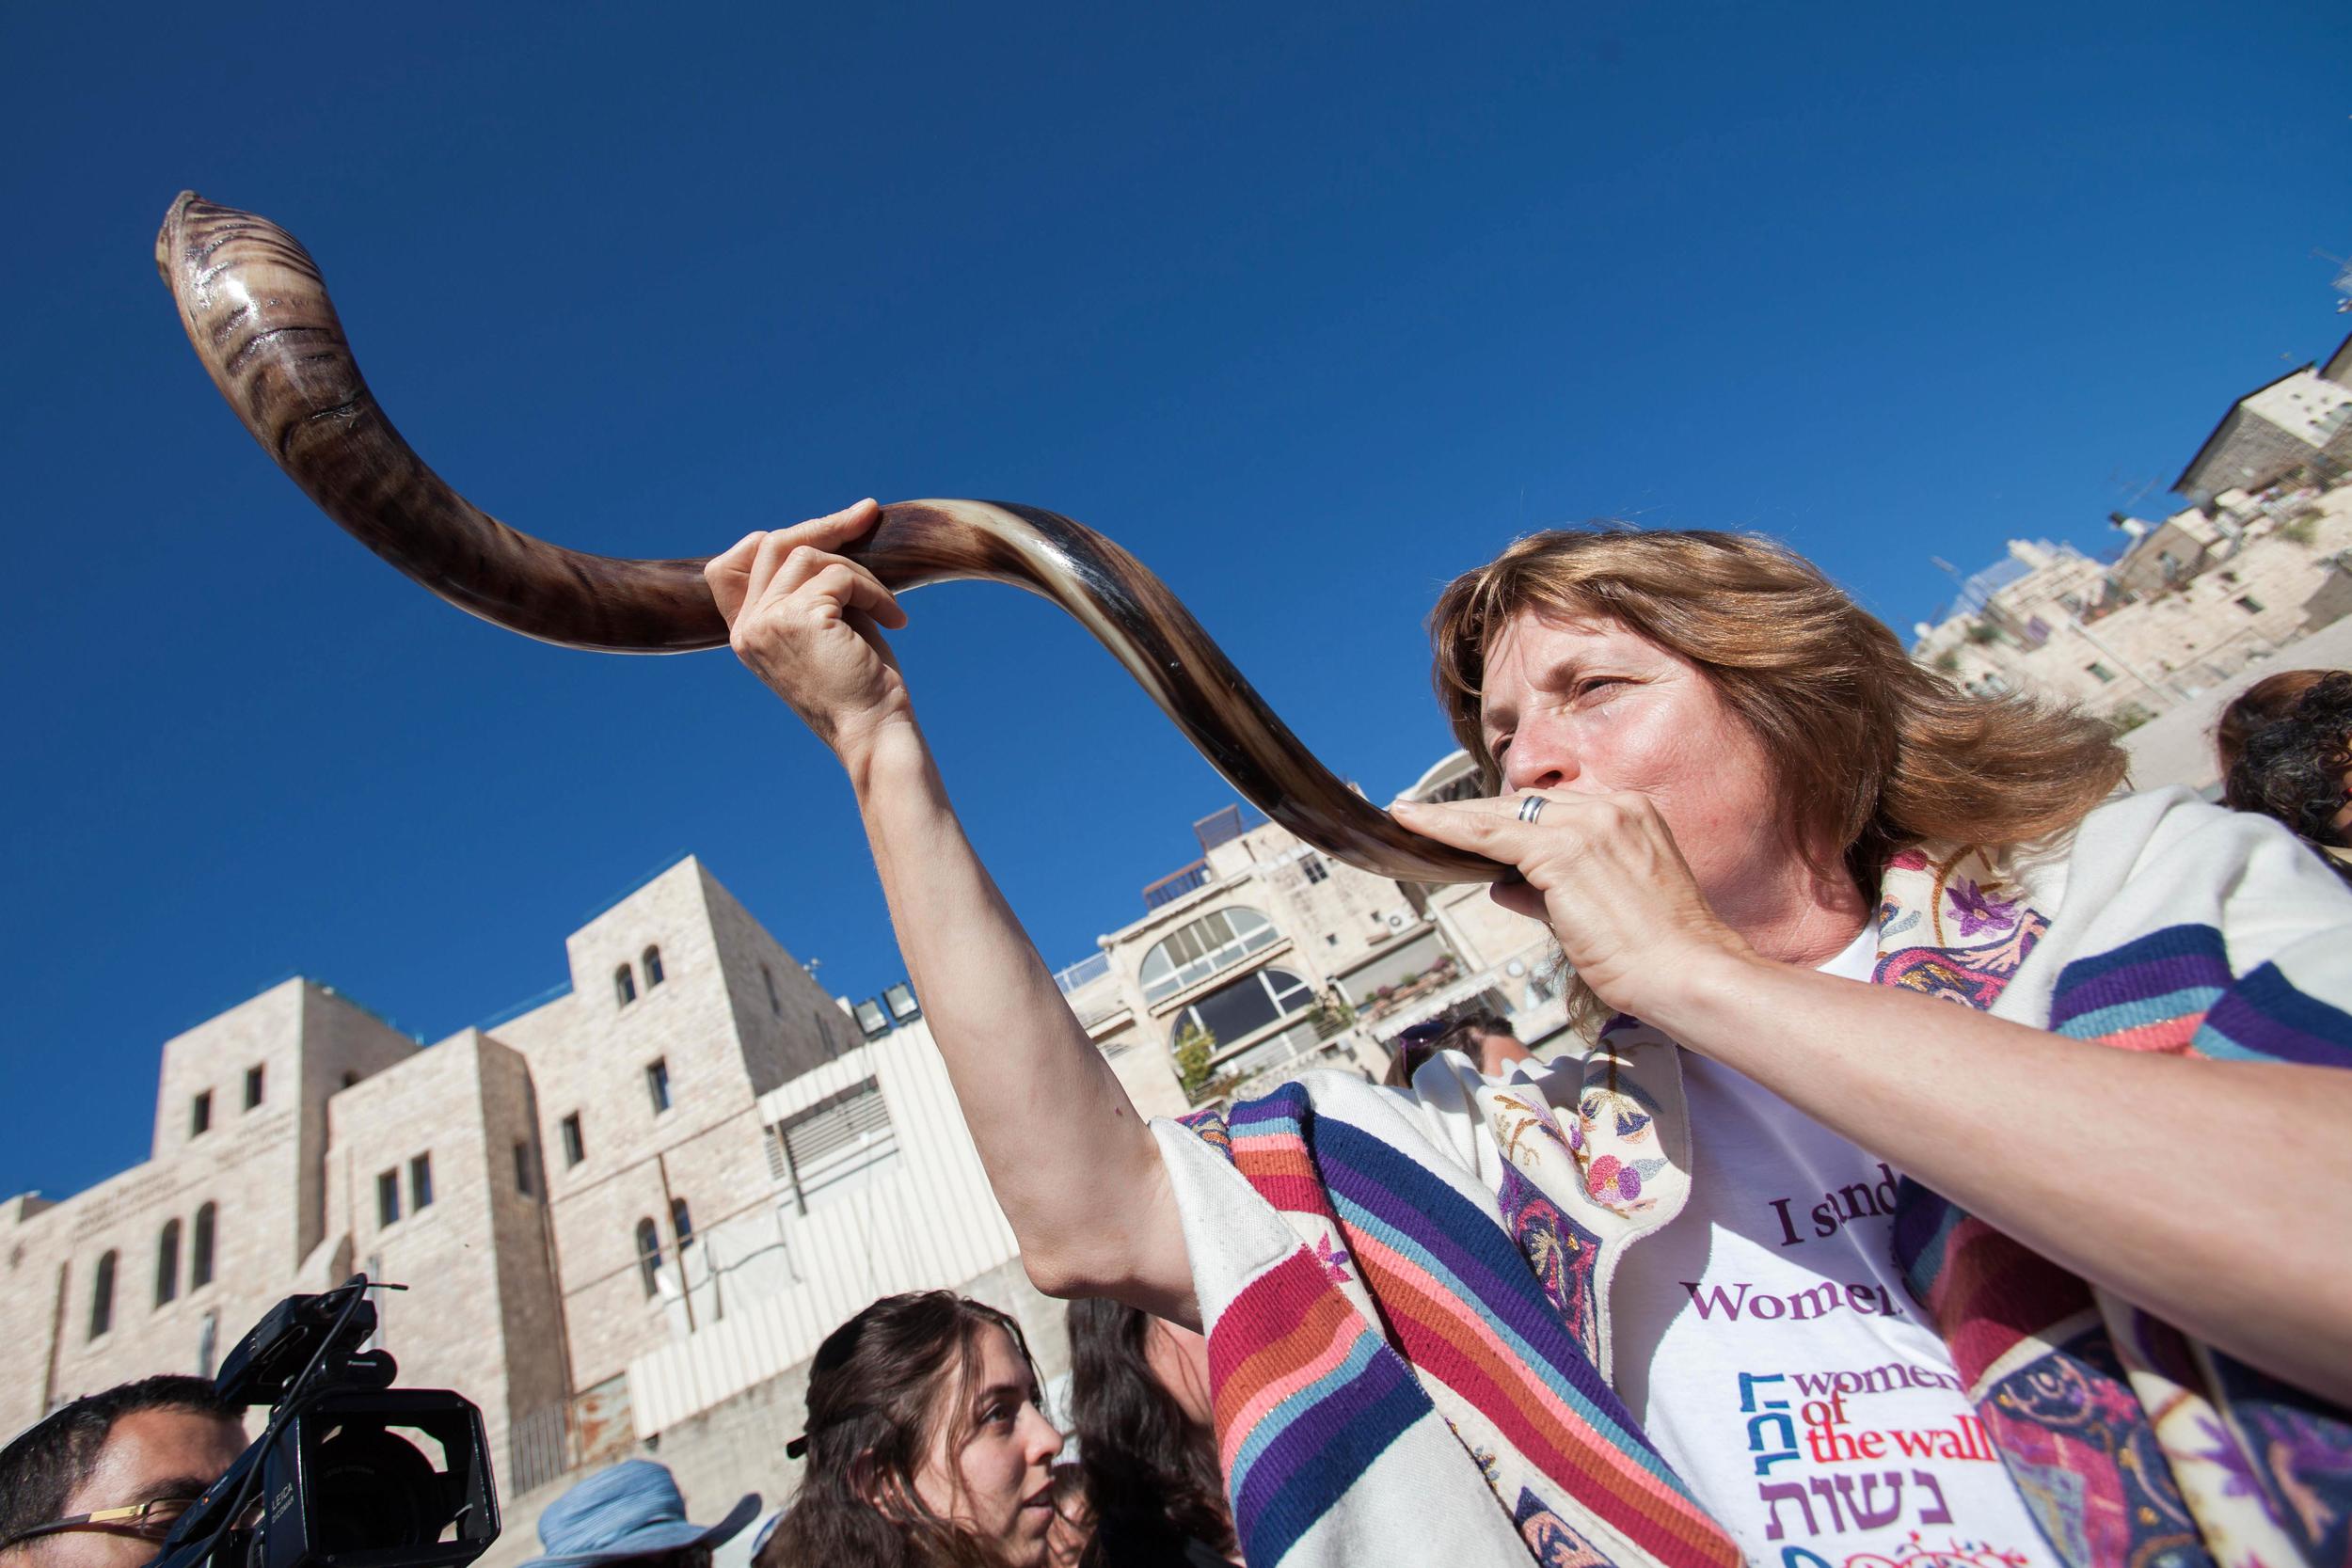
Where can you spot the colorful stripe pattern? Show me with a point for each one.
(1305, 1398)
(2171, 990)
(2149, 994)
(1462, 1309)
(2057, 1401)
(1983, 1292)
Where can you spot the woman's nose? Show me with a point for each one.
(1537, 762)
(1045, 1439)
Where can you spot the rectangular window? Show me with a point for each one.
(200, 1115)
(523, 1182)
(1314, 868)
(2249, 604)
(420, 1182)
(838, 1140)
(658, 1084)
(2101, 670)
(252, 1087)
(574, 1146)
(387, 1198)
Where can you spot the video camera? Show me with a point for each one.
(350, 1472)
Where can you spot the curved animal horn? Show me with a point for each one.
(258, 313)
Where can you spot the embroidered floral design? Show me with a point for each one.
(1979, 911)
(1549, 1539)
(1614, 1180)
(1333, 1260)
(1209, 1127)
(1561, 1253)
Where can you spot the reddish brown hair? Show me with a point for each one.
(1871, 752)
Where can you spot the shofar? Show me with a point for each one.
(258, 312)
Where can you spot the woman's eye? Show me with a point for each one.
(1597, 683)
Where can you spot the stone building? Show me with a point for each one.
(537, 1182)
(2190, 602)
(2298, 428)
(1284, 958)
(625, 1210)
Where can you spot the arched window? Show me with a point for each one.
(1248, 1004)
(683, 1223)
(625, 985)
(652, 960)
(201, 1253)
(1192, 953)
(102, 1296)
(648, 1253)
(167, 1263)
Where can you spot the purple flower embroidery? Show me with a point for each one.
(2239, 1473)
(1980, 911)
(1334, 1260)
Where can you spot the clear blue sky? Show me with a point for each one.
(1310, 310)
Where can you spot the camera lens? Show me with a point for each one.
(372, 1489)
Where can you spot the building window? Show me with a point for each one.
(2249, 604)
(387, 1198)
(775, 1003)
(252, 1087)
(523, 1183)
(200, 1115)
(2101, 670)
(200, 1251)
(652, 960)
(682, 1222)
(648, 1254)
(208, 1343)
(574, 1146)
(167, 1263)
(420, 1182)
(102, 1296)
(1192, 953)
(625, 985)
(842, 1137)
(658, 1083)
(1233, 1012)
(1314, 868)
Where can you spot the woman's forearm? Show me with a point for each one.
(1074, 1166)
(2215, 1194)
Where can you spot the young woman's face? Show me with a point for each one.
(999, 1482)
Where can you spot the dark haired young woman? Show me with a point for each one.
(1139, 1399)
(926, 1447)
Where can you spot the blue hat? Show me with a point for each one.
(631, 1510)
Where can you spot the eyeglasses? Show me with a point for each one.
(147, 1521)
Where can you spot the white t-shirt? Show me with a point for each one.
(1765, 1342)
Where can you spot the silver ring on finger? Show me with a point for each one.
(1532, 807)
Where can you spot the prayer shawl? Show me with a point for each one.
(1409, 1337)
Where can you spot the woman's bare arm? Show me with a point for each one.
(1077, 1172)
(2215, 1194)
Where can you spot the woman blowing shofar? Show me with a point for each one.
(2058, 1275)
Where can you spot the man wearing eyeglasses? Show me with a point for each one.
(101, 1482)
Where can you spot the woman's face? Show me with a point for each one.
(1584, 706)
(999, 1482)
